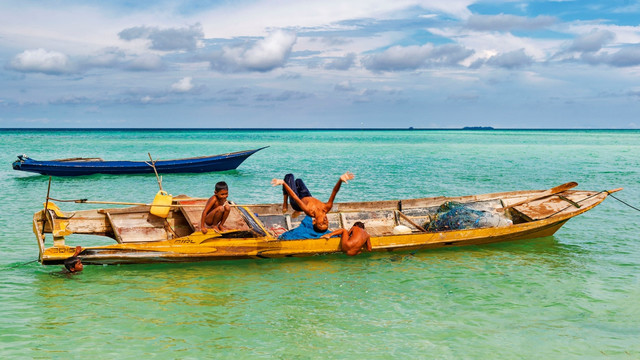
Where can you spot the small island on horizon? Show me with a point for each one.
(478, 128)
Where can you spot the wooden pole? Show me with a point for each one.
(46, 207)
(153, 165)
(85, 201)
(411, 221)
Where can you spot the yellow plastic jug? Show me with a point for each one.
(161, 204)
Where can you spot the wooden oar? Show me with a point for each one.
(552, 191)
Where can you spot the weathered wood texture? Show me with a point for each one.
(546, 207)
(138, 227)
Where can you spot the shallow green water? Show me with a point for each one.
(573, 295)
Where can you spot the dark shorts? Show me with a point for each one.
(298, 187)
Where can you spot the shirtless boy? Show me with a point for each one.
(301, 199)
(217, 209)
(353, 240)
(73, 264)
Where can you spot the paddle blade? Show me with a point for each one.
(563, 187)
(552, 191)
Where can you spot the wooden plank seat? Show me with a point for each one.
(138, 227)
(376, 222)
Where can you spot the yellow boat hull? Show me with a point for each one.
(184, 245)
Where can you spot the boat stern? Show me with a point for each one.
(52, 220)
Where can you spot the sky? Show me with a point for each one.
(320, 64)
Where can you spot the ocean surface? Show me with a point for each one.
(575, 295)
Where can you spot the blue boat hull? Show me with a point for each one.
(221, 162)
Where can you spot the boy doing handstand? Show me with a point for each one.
(301, 199)
(216, 210)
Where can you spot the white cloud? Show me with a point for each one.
(183, 85)
(147, 62)
(263, 55)
(260, 16)
(41, 60)
(511, 60)
(625, 57)
(592, 41)
(344, 86)
(415, 57)
(342, 63)
(166, 39)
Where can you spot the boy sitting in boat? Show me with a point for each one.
(315, 224)
(353, 240)
(216, 210)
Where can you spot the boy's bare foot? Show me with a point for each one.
(295, 214)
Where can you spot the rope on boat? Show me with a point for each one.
(629, 205)
(23, 264)
(594, 195)
(579, 201)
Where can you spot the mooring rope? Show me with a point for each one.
(23, 264)
(589, 197)
(629, 205)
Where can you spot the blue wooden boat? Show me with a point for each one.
(88, 166)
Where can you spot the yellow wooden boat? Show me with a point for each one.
(134, 235)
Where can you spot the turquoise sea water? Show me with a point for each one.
(571, 296)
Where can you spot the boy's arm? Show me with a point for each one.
(333, 233)
(276, 182)
(345, 177)
(78, 251)
(369, 248)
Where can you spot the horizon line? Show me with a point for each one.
(466, 128)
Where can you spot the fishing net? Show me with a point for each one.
(456, 216)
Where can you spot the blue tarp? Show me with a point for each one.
(304, 231)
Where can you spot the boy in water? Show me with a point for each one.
(353, 240)
(216, 210)
(73, 263)
(301, 199)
